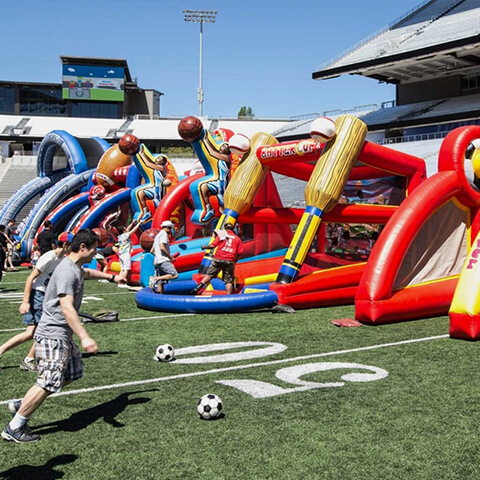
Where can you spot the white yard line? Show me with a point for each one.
(240, 367)
(121, 320)
(11, 295)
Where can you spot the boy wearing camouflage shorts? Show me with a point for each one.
(58, 358)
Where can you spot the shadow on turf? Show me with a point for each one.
(108, 353)
(41, 472)
(222, 415)
(106, 411)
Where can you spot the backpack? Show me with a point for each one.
(100, 317)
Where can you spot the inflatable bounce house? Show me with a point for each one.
(375, 232)
(410, 267)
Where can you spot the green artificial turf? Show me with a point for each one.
(419, 422)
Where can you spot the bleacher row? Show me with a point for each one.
(464, 105)
(435, 23)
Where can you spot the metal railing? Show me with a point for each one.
(373, 35)
(415, 138)
(358, 108)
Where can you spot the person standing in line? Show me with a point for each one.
(3, 250)
(33, 297)
(58, 357)
(46, 238)
(163, 262)
(9, 234)
(229, 248)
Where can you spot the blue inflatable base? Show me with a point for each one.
(148, 300)
(184, 287)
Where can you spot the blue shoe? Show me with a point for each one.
(209, 214)
(21, 435)
(146, 217)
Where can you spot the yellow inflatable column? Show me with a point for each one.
(324, 189)
(242, 189)
(465, 308)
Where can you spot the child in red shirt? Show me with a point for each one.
(229, 248)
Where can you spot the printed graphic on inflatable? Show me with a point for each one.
(159, 176)
(213, 152)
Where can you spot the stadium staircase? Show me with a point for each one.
(419, 30)
(120, 131)
(421, 111)
(18, 129)
(15, 177)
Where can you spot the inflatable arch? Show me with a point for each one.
(414, 268)
(59, 139)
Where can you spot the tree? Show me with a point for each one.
(246, 112)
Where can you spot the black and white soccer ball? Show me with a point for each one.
(164, 353)
(210, 406)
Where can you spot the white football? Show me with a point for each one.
(239, 144)
(166, 182)
(322, 129)
(209, 406)
(164, 353)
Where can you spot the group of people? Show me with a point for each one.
(52, 298)
(50, 307)
(228, 249)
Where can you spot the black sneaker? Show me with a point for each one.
(13, 406)
(21, 435)
(196, 290)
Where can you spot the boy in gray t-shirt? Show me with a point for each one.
(58, 357)
(67, 279)
(33, 298)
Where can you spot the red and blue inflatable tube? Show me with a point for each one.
(148, 300)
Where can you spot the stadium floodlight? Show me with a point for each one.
(201, 17)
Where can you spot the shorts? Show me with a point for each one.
(32, 317)
(58, 361)
(216, 186)
(165, 268)
(226, 266)
(125, 261)
(9, 250)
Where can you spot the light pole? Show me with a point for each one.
(201, 17)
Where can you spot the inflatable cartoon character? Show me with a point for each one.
(154, 170)
(213, 152)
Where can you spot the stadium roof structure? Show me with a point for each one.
(435, 39)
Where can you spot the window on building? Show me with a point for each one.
(96, 109)
(7, 100)
(471, 82)
(42, 101)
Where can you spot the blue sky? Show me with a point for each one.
(259, 53)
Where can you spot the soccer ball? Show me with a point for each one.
(209, 406)
(164, 353)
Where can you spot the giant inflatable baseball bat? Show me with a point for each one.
(242, 189)
(324, 189)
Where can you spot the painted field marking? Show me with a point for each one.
(239, 367)
(121, 320)
(12, 295)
